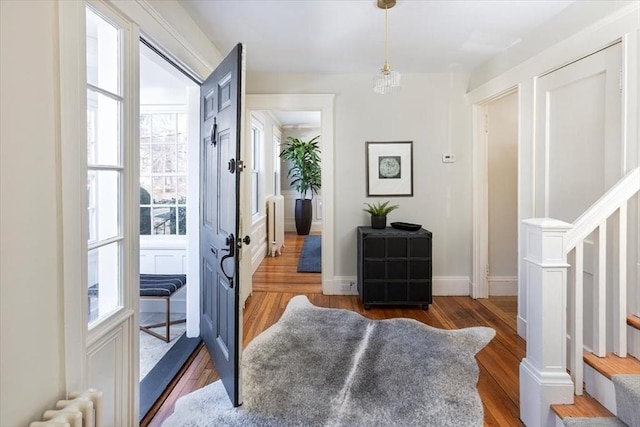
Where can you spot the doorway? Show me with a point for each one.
(293, 263)
(495, 198)
(287, 104)
(169, 134)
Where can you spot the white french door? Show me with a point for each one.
(99, 167)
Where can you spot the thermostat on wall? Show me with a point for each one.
(448, 158)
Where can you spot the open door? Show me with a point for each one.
(221, 96)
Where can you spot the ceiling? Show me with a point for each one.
(347, 36)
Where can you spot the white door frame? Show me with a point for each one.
(324, 104)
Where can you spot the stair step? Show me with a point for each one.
(633, 321)
(612, 364)
(583, 406)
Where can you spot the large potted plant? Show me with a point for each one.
(305, 176)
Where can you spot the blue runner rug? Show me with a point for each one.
(310, 260)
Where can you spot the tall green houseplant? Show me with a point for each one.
(305, 176)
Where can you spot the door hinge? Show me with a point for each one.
(486, 123)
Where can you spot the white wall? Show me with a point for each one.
(430, 111)
(31, 338)
(502, 155)
(574, 19)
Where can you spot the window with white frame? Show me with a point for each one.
(105, 171)
(256, 144)
(163, 171)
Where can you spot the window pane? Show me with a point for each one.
(103, 188)
(163, 158)
(164, 220)
(182, 158)
(182, 190)
(182, 220)
(145, 128)
(145, 159)
(145, 221)
(102, 53)
(182, 129)
(254, 192)
(145, 191)
(103, 124)
(103, 271)
(163, 128)
(164, 190)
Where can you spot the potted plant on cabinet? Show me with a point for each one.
(305, 176)
(379, 212)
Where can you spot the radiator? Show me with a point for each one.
(275, 224)
(81, 410)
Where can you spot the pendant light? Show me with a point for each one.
(387, 80)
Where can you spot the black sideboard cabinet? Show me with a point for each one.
(394, 267)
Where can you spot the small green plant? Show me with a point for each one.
(379, 208)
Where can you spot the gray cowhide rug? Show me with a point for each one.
(329, 367)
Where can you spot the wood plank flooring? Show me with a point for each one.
(498, 362)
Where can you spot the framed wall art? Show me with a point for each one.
(389, 168)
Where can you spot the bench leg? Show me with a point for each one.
(167, 323)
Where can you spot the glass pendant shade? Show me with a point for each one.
(386, 81)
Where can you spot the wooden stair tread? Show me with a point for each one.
(633, 321)
(583, 406)
(612, 364)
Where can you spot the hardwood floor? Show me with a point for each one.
(498, 362)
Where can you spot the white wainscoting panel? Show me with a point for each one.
(106, 357)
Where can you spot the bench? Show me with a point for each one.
(155, 286)
(161, 286)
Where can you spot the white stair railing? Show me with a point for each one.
(552, 247)
(595, 218)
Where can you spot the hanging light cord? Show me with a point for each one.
(385, 68)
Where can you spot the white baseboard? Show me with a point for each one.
(442, 286)
(503, 285)
(290, 226)
(451, 285)
(342, 285)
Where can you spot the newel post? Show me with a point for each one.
(543, 372)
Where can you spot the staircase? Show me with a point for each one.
(580, 369)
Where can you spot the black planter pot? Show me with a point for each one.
(303, 213)
(378, 221)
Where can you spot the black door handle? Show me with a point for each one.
(230, 242)
(214, 131)
(246, 240)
